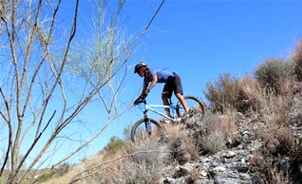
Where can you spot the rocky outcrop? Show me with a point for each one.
(232, 165)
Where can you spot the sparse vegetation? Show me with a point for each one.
(298, 61)
(231, 93)
(223, 93)
(114, 146)
(266, 172)
(262, 105)
(272, 73)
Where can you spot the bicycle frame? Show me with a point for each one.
(153, 107)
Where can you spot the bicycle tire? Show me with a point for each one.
(196, 101)
(139, 123)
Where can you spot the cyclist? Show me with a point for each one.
(171, 80)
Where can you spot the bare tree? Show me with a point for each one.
(37, 105)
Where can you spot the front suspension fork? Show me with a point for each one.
(147, 123)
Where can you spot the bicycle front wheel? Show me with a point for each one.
(195, 106)
(145, 129)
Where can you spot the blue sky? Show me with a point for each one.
(201, 39)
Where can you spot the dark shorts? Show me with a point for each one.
(173, 85)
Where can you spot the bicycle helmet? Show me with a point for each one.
(138, 66)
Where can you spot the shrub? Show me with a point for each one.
(223, 93)
(266, 172)
(213, 142)
(275, 110)
(295, 158)
(298, 61)
(272, 73)
(249, 95)
(272, 169)
(135, 163)
(183, 147)
(229, 92)
(220, 130)
(114, 146)
(278, 141)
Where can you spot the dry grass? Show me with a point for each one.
(274, 110)
(278, 141)
(132, 163)
(253, 92)
(266, 171)
(223, 93)
(271, 74)
(231, 93)
(274, 113)
(182, 147)
(220, 129)
(142, 162)
(138, 163)
(298, 61)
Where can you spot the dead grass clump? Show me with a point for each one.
(270, 169)
(289, 87)
(135, 163)
(265, 171)
(125, 172)
(297, 58)
(220, 129)
(213, 142)
(275, 110)
(253, 93)
(231, 93)
(182, 146)
(115, 145)
(272, 73)
(295, 158)
(278, 141)
(223, 93)
(275, 132)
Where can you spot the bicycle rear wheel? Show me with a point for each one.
(195, 105)
(145, 129)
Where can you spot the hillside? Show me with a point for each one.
(251, 133)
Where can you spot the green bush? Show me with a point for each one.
(298, 61)
(271, 74)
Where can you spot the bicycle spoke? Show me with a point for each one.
(194, 105)
(143, 130)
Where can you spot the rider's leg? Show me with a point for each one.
(183, 102)
(165, 99)
(179, 92)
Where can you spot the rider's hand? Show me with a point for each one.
(138, 101)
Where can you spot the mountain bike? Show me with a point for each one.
(148, 127)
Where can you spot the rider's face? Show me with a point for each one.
(141, 72)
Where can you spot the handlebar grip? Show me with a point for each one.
(140, 101)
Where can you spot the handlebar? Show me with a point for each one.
(141, 102)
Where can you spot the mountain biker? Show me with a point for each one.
(171, 80)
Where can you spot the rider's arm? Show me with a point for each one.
(152, 83)
(149, 82)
